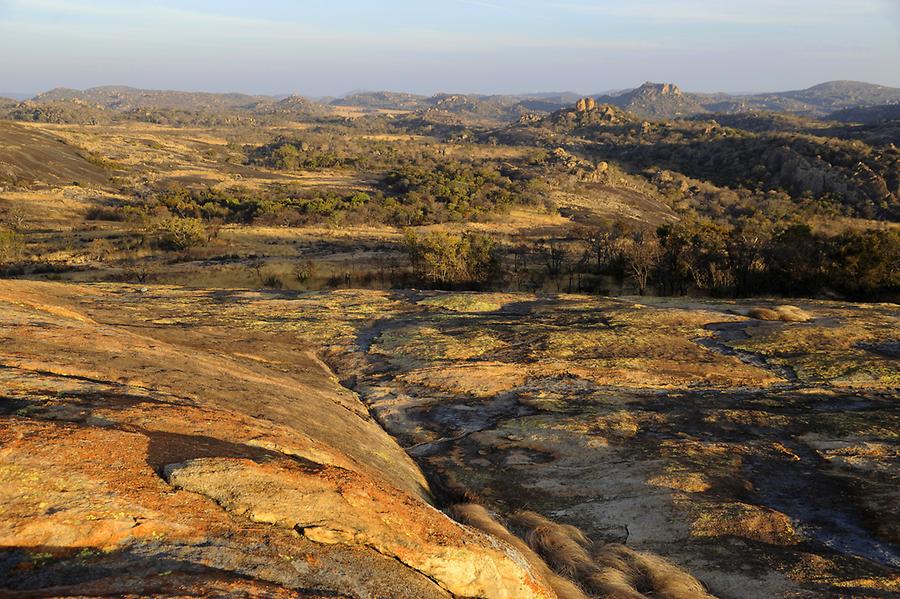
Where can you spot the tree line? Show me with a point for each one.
(694, 256)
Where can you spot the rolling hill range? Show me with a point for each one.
(667, 101)
(652, 101)
(127, 98)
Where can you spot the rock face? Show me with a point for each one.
(656, 101)
(586, 105)
(583, 170)
(163, 441)
(155, 460)
(331, 506)
(586, 113)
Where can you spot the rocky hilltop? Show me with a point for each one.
(668, 101)
(656, 101)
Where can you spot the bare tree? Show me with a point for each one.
(642, 253)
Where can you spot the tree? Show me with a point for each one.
(178, 233)
(795, 259)
(286, 157)
(446, 259)
(642, 253)
(745, 246)
(11, 245)
(864, 263)
(676, 257)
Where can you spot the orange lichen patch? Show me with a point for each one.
(620, 424)
(744, 520)
(180, 584)
(811, 566)
(306, 398)
(861, 455)
(335, 506)
(842, 350)
(781, 449)
(30, 296)
(481, 379)
(181, 432)
(758, 418)
(890, 582)
(472, 302)
(661, 373)
(716, 461)
(680, 480)
(418, 344)
(96, 413)
(64, 485)
(689, 319)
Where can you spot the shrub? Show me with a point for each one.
(445, 259)
(105, 213)
(178, 233)
(273, 281)
(11, 245)
(305, 271)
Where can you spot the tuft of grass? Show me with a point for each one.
(623, 573)
(478, 517)
(780, 313)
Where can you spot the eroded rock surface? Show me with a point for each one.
(140, 456)
(174, 433)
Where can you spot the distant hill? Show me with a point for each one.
(651, 101)
(760, 151)
(868, 115)
(486, 109)
(111, 103)
(657, 101)
(57, 111)
(382, 100)
(836, 95)
(123, 98)
(489, 108)
(291, 106)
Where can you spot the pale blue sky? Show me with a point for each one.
(328, 47)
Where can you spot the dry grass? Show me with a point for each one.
(780, 313)
(610, 571)
(478, 517)
(623, 573)
(561, 545)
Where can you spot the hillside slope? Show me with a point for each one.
(28, 154)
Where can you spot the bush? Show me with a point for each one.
(105, 213)
(178, 234)
(273, 281)
(11, 245)
(445, 259)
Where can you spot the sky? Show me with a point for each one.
(330, 47)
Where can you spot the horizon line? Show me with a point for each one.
(30, 95)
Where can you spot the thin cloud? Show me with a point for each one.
(481, 3)
(142, 25)
(739, 12)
